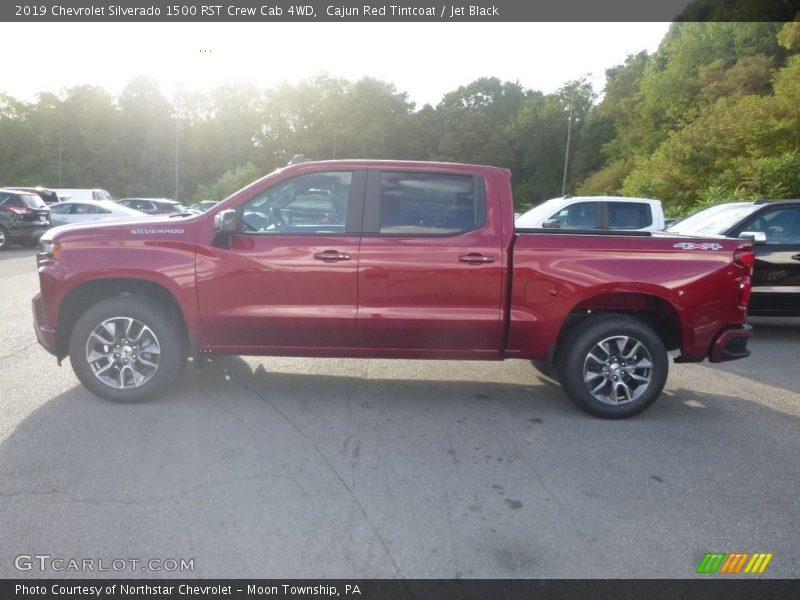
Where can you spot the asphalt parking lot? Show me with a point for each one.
(284, 468)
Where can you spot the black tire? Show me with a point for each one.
(603, 366)
(546, 368)
(160, 342)
(5, 238)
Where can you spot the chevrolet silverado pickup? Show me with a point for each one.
(388, 259)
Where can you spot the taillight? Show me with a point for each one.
(745, 257)
(18, 210)
(745, 287)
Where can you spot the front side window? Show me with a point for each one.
(61, 208)
(316, 203)
(429, 204)
(781, 226)
(581, 215)
(629, 215)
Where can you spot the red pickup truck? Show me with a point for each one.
(388, 259)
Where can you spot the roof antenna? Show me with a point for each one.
(299, 158)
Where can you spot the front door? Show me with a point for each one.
(289, 278)
(776, 274)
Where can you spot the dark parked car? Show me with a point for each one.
(24, 217)
(49, 196)
(776, 227)
(204, 205)
(154, 206)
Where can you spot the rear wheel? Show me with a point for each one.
(126, 349)
(613, 366)
(5, 238)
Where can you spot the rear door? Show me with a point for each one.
(776, 275)
(289, 278)
(431, 266)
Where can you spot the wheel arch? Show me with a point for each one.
(655, 311)
(88, 293)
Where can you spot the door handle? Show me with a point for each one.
(331, 256)
(475, 258)
(796, 257)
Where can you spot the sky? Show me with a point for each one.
(426, 60)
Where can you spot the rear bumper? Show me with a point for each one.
(27, 231)
(45, 334)
(731, 344)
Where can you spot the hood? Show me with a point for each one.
(149, 227)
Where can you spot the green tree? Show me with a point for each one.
(230, 181)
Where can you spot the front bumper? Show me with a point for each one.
(731, 344)
(45, 334)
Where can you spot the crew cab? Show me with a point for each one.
(388, 259)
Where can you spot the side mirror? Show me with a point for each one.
(225, 225)
(551, 224)
(225, 221)
(759, 238)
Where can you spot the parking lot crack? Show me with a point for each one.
(31, 493)
(17, 352)
(333, 470)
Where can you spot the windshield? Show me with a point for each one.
(714, 220)
(538, 214)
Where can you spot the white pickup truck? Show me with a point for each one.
(595, 212)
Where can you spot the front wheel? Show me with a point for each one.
(126, 349)
(613, 366)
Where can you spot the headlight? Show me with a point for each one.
(50, 252)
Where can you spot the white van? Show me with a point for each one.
(81, 194)
(595, 212)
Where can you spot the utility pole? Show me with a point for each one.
(177, 163)
(569, 132)
(60, 140)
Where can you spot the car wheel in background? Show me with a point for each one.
(5, 238)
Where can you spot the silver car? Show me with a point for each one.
(83, 211)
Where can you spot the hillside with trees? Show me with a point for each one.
(712, 115)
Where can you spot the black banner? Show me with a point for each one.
(396, 10)
(417, 589)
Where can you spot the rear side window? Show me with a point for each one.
(84, 209)
(629, 215)
(11, 200)
(137, 205)
(429, 204)
(33, 201)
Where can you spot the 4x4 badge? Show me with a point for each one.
(693, 246)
